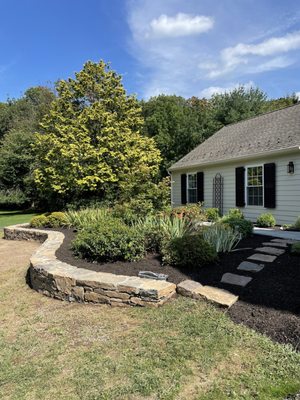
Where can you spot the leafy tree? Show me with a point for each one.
(175, 126)
(16, 160)
(239, 104)
(91, 143)
(25, 113)
(276, 104)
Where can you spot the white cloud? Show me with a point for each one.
(180, 25)
(174, 56)
(274, 63)
(210, 91)
(243, 54)
(297, 94)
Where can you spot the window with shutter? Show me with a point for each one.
(255, 185)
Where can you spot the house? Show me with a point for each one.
(253, 165)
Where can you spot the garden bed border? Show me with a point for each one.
(63, 281)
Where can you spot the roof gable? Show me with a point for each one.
(272, 131)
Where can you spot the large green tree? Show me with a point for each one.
(91, 142)
(236, 105)
(19, 119)
(174, 124)
(25, 113)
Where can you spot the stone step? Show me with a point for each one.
(270, 250)
(188, 288)
(250, 267)
(262, 257)
(286, 241)
(276, 244)
(234, 279)
(217, 296)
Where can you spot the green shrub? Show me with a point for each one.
(133, 210)
(150, 227)
(57, 219)
(53, 220)
(236, 220)
(222, 237)
(243, 226)
(174, 227)
(160, 229)
(13, 199)
(110, 241)
(295, 249)
(212, 214)
(266, 220)
(190, 211)
(190, 251)
(86, 217)
(40, 221)
(235, 213)
(296, 225)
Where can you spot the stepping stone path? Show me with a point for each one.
(250, 266)
(285, 241)
(276, 244)
(234, 279)
(262, 257)
(270, 250)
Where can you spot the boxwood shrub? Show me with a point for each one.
(190, 251)
(266, 221)
(110, 241)
(53, 220)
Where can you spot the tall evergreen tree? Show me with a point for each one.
(91, 143)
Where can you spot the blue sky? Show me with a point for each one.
(184, 47)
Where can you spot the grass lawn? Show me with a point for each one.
(14, 217)
(185, 350)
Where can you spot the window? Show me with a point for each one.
(255, 186)
(192, 188)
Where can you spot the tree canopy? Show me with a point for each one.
(91, 142)
(174, 124)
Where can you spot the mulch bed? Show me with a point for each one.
(270, 303)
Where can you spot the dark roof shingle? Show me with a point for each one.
(275, 130)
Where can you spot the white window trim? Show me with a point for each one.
(246, 185)
(187, 187)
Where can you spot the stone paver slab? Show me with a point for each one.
(193, 289)
(262, 257)
(250, 266)
(270, 250)
(189, 288)
(286, 241)
(234, 279)
(221, 297)
(276, 244)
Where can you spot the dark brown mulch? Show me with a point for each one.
(270, 303)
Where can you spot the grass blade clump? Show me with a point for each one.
(222, 237)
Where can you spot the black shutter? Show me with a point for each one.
(183, 189)
(200, 187)
(240, 187)
(270, 185)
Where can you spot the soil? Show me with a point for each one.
(270, 303)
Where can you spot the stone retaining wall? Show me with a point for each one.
(57, 279)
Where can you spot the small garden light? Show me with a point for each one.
(290, 167)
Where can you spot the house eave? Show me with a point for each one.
(236, 159)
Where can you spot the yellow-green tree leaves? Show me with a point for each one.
(91, 141)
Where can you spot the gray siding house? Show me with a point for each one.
(253, 165)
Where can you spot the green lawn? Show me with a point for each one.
(14, 217)
(187, 349)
